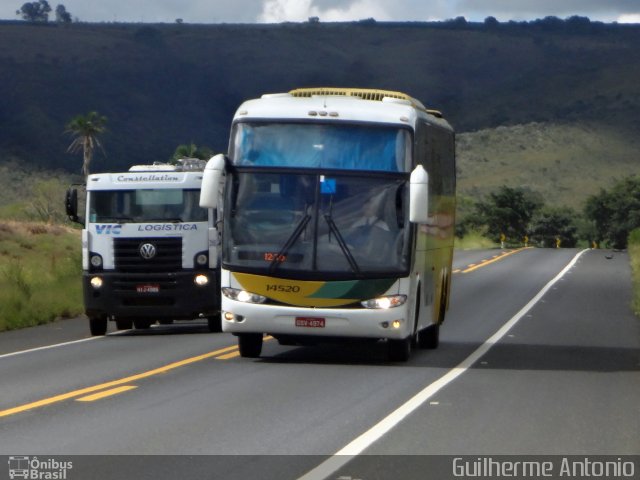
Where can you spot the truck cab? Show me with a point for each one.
(149, 251)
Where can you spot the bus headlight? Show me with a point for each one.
(243, 295)
(384, 303)
(96, 282)
(201, 280)
(202, 259)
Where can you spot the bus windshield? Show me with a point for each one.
(146, 205)
(317, 225)
(330, 145)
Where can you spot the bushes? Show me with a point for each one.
(634, 256)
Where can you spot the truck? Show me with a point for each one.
(149, 251)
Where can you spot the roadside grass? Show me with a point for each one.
(634, 255)
(40, 272)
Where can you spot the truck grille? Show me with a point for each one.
(139, 255)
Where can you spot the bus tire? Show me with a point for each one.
(399, 350)
(250, 344)
(124, 323)
(142, 323)
(429, 337)
(98, 326)
(214, 323)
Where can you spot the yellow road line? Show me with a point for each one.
(473, 266)
(229, 355)
(114, 383)
(106, 393)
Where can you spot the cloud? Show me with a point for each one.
(629, 18)
(275, 11)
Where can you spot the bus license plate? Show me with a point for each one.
(310, 322)
(147, 288)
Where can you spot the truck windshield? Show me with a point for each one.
(146, 205)
(329, 145)
(317, 225)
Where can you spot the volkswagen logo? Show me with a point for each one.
(148, 251)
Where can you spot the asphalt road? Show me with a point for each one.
(524, 367)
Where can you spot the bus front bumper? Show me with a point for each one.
(392, 323)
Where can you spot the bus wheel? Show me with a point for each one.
(399, 350)
(214, 323)
(98, 326)
(429, 337)
(142, 323)
(250, 344)
(124, 323)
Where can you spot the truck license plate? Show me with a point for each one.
(147, 288)
(310, 322)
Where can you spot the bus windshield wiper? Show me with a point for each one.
(302, 224)
(343, 245)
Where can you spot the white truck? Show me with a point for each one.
(149, 251)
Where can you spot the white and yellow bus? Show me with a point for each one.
(338, 219)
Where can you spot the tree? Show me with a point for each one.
(616, 212)
(508, 211)
(35, 11)
(551, 223)
(491, 22)
(85, 129)
(62, 16)
(191, 151)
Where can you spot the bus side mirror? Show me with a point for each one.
(419, 196)
(71, 204)
(210, 189)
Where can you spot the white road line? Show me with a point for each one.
(47, 347)
(364, 441)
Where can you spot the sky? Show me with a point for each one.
(276, 11)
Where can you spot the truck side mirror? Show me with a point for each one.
(71, 204)
(210, 189)
(419, 196)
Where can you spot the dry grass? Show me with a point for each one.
(40, 273)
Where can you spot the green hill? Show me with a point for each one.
(565, 163)
(548, 104)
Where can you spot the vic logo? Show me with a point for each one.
(109, 229)
(147, 251)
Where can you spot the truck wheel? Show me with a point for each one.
(98, 326)
(124, 323)
(214, 323)
(250, 344)
(142, 324)
(399, 350)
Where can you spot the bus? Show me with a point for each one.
(338, 220)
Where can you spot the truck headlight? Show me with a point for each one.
(243, 295)
(96, 282)
(389, 301)
(201, 280)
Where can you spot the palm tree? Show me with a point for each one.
(85, 130)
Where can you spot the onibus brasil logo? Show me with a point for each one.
(38, 469)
